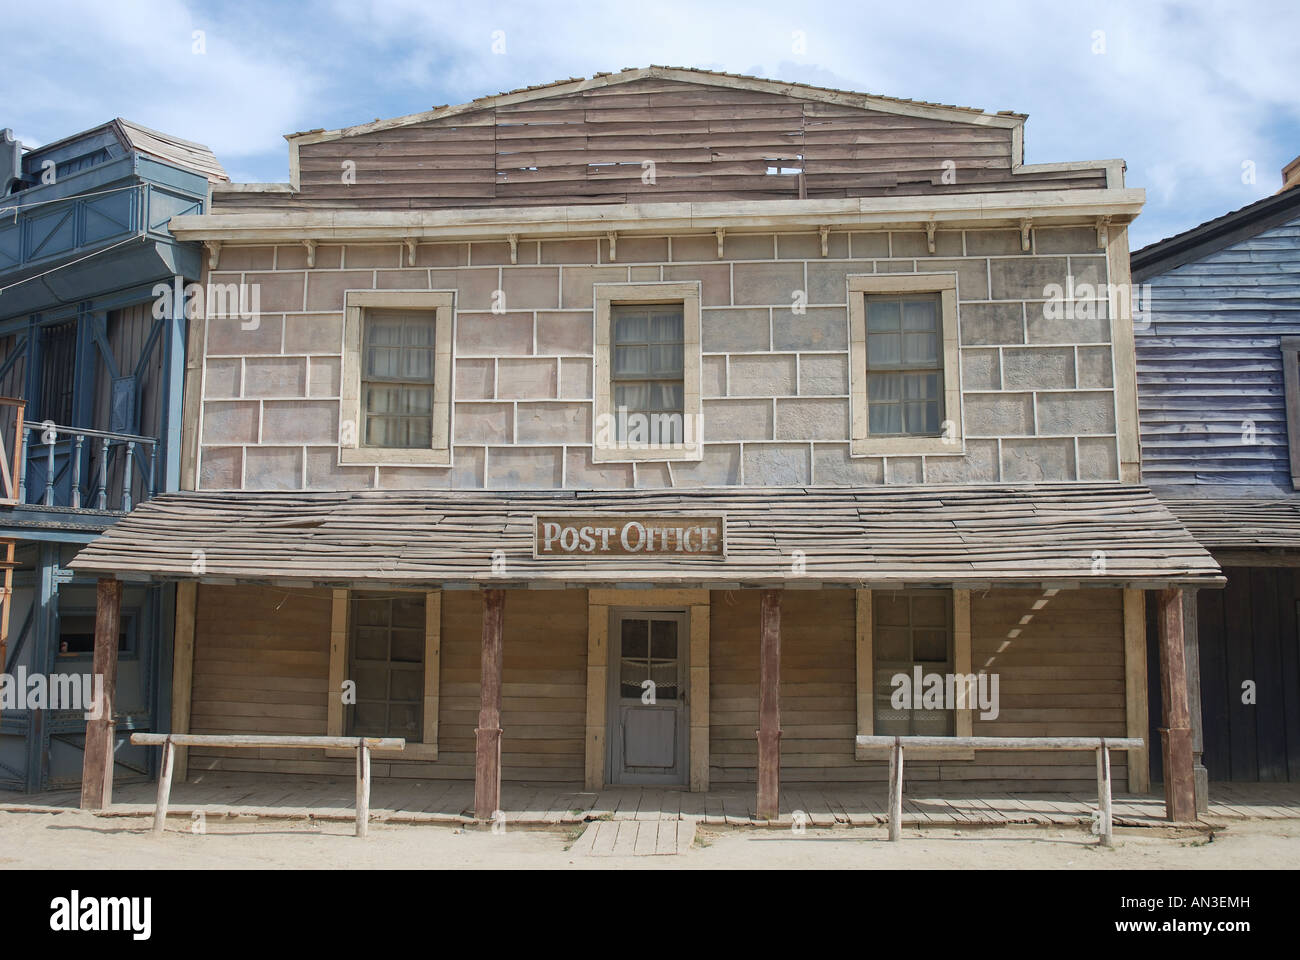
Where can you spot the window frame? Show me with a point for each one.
(336, 718)
(944, 285)
(605, 297)
(442, 303)
(1290, 347)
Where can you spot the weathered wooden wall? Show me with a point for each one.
(1209, 365)
(1061, 675)
(261, 665)
(1247, 632)
(706, 142)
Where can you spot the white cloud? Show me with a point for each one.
(1184, 94)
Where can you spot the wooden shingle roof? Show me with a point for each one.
(1254, 523)
(1069, 534)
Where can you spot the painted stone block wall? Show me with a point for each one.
(1037, 390)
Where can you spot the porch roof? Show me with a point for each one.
(1240, 523)
(1104, 534)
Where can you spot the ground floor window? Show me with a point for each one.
(386, 663)
(912, 630)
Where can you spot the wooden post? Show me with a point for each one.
(363, 788)
(896, 791)
(487, 759)
(164, 787)
(187, 593)
(1176, 734)
(769, 705)
(97, 767)
(1103, 794)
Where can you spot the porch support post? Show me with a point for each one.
(487, 760)
(1191, 649)
(769, 705)
(97, 769)
(1176, 734)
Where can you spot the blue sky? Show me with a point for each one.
(1192, 95)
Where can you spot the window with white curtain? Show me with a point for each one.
(647, 376)
(905, 383)
(397, 378)
(904, 365)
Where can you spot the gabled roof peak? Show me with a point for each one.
(866, 101)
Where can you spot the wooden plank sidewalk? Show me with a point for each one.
(815, 805)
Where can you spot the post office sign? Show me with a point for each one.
(676, 536)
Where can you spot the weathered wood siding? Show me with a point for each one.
(1210, 367)
(1246, 633)
(1061, 674)
(261, 665)
(705, 142)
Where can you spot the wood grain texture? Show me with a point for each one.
(851, 537)
(594, 145)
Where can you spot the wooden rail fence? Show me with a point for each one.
(170, 741)
(1101, 745)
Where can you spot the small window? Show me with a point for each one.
(648, 373)
(397, 378)
(904, 378)
(396, 393)
(386, 662)
(77, 633)
(904, 366)
(1291, 386)
(911, 629)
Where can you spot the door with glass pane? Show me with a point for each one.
(648, 718)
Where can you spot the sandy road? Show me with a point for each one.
(77, 840)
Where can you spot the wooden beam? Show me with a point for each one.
(698, 705)
(487, 758)
(597, 678)
(1135, 688)
(963, 720)
(97, 767)
(1176, 734)
(338, 662)
(769, 705)
(187, 592)
(866, 695)
(432, 670)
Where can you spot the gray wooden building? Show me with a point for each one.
(559, 400)
(1219, 398)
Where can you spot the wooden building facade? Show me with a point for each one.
(91, 373)
(1219, 396)
(896, 369)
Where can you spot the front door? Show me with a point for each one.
(648, 720)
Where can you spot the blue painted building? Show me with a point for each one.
(91, 367)
(1218, 366)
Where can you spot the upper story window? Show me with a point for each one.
(904, 366)
(397, 379)
(396, 402)
(647, 372)
(904, 379)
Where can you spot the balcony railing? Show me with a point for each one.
(76, 467)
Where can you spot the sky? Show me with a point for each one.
(1202, 99)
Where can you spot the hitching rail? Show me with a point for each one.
(1102, 746)
(363, 745)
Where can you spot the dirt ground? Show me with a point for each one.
(76, 840)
